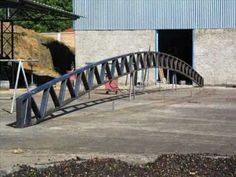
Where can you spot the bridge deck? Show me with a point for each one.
(136, 130)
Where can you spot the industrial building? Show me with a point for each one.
(200, 32)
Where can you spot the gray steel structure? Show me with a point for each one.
(155, 14)
(23, 10)
(91, 77)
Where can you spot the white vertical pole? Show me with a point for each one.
(23, 71)
(133, 88)
(20, 67)
(16, 85)
(143, 80)
(130, 82)
(168, 76)
(174, 81)
(156, 49)
(147, 76)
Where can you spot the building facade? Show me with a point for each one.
(200, 32)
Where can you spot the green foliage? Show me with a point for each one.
(50, 26)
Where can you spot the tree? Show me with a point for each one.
(50, 26)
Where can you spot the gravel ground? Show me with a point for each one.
(172, 165)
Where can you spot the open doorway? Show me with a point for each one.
(178, 43)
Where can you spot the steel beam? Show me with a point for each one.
(111, 68)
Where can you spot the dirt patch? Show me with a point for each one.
(54, 57)
(197, 165)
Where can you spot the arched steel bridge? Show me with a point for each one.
(91, 77)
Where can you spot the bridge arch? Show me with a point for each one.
(93, 76)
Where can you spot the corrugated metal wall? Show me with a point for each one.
(155, 14)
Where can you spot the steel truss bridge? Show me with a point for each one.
(90, 77)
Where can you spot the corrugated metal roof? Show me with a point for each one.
(155, 14)
(29, 5)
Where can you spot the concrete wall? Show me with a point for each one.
(66, 37)
(215, 56)
(214, 50)
(93, 46)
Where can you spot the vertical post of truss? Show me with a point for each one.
(8, 45)
(12, 52)
(7, 42)
(1, 39)
(130, 86)
(1, 47)
(133, 84)
(23, 113)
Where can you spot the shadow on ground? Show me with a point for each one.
(76, 107)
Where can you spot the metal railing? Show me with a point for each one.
(91, 77)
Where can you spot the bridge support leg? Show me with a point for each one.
(143, 80)
(130, 93)
(23, 113)
(168, 76)
(174, 81)
(131, 87)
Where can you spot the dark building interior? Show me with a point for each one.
(178, 43)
